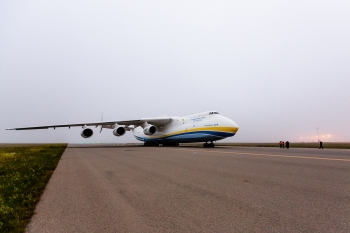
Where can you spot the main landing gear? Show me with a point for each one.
(157, 144)
(151, 144)
(171, 144)
(211, 144)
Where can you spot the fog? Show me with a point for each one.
(279, 69)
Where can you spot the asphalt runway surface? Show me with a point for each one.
(189, 189)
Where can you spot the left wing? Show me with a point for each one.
(158, 121)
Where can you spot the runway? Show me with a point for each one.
(189, 189)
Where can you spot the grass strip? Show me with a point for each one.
(24, 173)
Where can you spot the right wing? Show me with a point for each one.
(157, 121)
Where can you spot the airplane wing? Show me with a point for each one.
(157, 121)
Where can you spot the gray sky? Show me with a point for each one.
(279, 69)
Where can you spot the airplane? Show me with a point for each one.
(206, 127)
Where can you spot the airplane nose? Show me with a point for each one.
(234, 124)
(234, 127)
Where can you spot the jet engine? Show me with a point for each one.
(150, 130)
(120, 131)
(86, 133)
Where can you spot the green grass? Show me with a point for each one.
(24, 173)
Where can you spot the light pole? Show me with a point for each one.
(318, 137)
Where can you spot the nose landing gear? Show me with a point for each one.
(211, 144)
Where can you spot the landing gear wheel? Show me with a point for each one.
(211, 144)
(151, 144)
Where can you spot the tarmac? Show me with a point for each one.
(193, 189)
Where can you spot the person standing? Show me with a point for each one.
(280, 144)
(287, 144)
(321, 145)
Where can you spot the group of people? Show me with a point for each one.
(287, 145)
(282, 144)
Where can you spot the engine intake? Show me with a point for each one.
(150, 130)
(120, 131)
(86, 133)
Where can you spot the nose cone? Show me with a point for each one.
(229, 126)
(233, 126)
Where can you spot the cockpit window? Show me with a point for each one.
(210, 113)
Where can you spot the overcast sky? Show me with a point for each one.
(279, 69)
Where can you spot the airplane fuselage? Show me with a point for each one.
(202, 127)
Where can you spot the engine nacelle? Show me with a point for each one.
(150, 130)
(120, 131)
(86, 133)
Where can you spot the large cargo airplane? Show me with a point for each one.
(204, 127)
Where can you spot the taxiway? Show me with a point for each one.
(189, 189)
